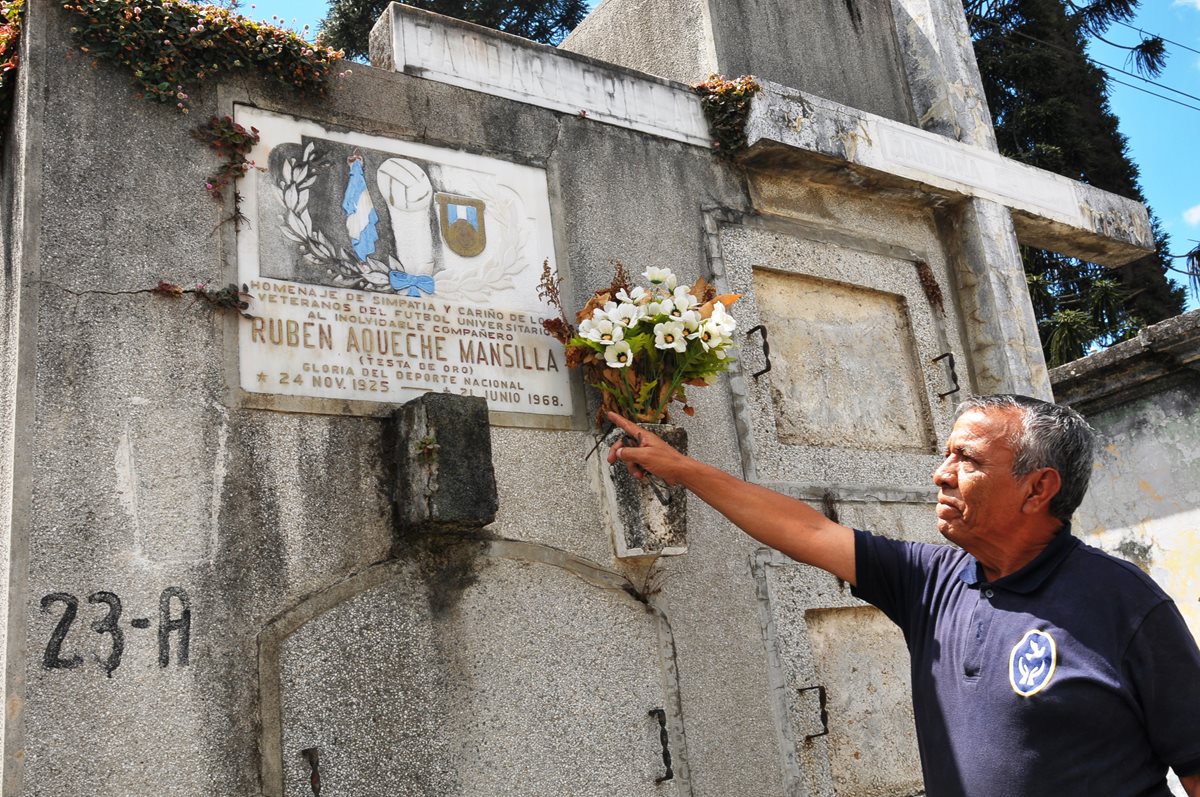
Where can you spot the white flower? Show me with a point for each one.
(710, 335)
(723, 319)
(670, 335)
(634, 297)
(601, 314)
(618, 355)
(663, 307)
(683, 300)
(626, 314)
(691, 322)
(661, 276)
(602, 331)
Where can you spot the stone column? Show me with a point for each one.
(948, 99)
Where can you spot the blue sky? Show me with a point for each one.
(1163, 137)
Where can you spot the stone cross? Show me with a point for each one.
(881, 96)
(848, 64)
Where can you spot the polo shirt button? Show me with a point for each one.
(989, 594)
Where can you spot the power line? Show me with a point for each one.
(1025, 35)
(1154, 93)
(1144, 79)
(1102, 65)
(1156, 36)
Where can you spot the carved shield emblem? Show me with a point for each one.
(461, 222)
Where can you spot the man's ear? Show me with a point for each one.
(1044, 484)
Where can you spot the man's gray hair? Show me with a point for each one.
(1051, 436)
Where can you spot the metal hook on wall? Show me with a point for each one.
(766, 348)
(953, 373)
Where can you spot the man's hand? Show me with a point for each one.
(785, 524)
(650, 454)
(1191, 785)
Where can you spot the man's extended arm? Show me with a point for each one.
(787, 525)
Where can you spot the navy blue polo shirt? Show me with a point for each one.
(1076, 675)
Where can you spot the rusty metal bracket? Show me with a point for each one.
(665, 740)
(953, 373)
(766, 348)
(311, 755)
(821, 698)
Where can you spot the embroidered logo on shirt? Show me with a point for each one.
(1031, 663)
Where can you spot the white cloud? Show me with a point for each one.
(1193, 3)
(1192, 215)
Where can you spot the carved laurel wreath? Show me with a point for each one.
(477, 284)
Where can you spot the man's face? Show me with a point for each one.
(979, 499)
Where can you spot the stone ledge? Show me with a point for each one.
(842, 145)
(1161, 355)
(431, 46)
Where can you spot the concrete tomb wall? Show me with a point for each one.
(209, 588)
(1142, 397)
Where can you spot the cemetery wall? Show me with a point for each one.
(1142, 395)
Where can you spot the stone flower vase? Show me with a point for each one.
(644, 516)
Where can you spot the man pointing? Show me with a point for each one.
(1040, 665)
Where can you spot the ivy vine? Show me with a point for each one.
(12, 15)
(726, 105)
(232, 142)
(170, 46)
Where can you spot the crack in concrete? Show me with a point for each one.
(95, 292)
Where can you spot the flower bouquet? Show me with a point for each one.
(641, 345)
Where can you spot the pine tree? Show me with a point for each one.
(347, 25)
(1050, 108)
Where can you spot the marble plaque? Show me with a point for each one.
(380, 269)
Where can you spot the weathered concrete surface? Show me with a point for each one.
(438, 675)
(16, 305)
(828, 237)
(120, 393)
(445, 478)
(1159, 356)
(673, 40)
(1143, 398)
(416, 42)
(820, 368)
(810, 621)
(939, 61)
(847, 52)
(993, 297)
(877, 728)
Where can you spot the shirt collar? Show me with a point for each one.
(1032, 575)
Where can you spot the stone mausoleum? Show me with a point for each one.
(355, 540)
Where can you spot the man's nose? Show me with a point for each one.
(943, 475)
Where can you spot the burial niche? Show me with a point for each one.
(476, 669)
